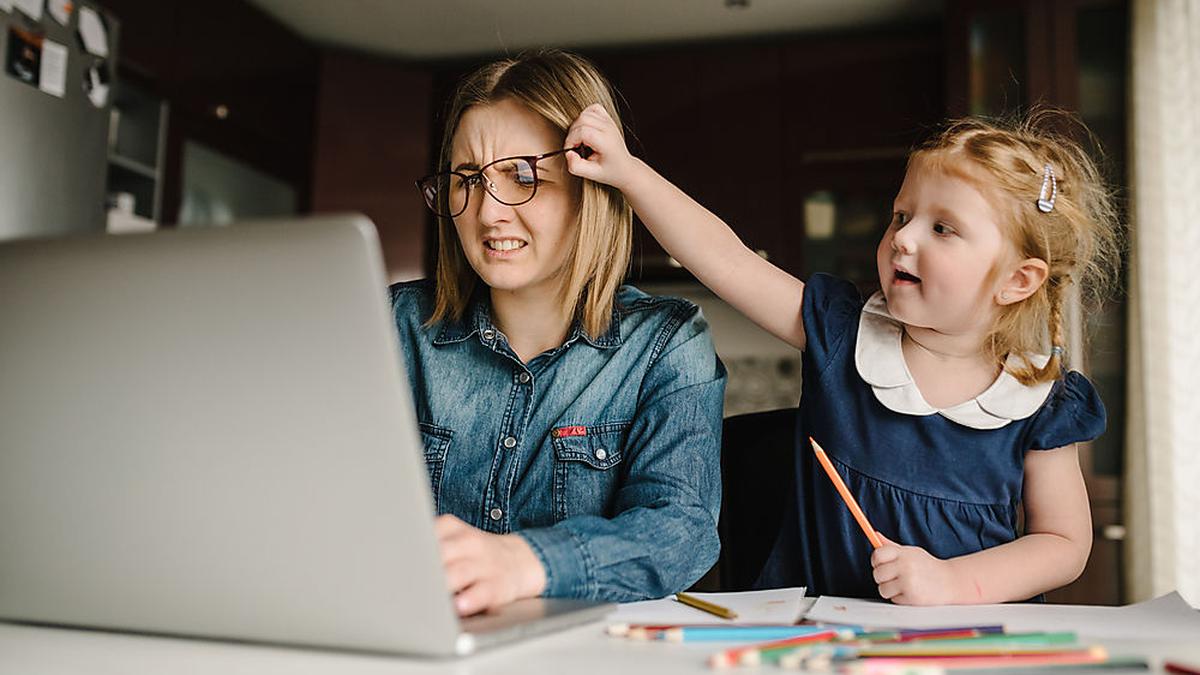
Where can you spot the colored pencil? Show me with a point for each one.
(1114, 663)
(751, 655)
(1181, 668)
(655, 631)
(857, 512)
(952, 632)
(736, 633)
(632, 630)
(983, 634)
(1039, 638)
(1089, 655)
(704, 605)
(905, 651)
(920, 650)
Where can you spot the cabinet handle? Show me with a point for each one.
(762, 253)
(1113, 532)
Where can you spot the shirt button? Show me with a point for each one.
(496, 514)
(523, 378)
(510, 442)
(489, 334)
(601, 454)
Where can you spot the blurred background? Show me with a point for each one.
(790, 119)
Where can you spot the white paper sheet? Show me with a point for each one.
(780, 606)
(1166, 618)
(6, 5)
(53, 77)
(92, 32)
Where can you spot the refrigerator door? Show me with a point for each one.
(54, 161)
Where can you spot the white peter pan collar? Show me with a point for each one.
(880, 362)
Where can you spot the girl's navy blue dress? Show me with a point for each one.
(947, 480)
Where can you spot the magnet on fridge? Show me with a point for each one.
(95, 83)
(24, 58)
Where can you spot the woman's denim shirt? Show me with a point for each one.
(604, 454)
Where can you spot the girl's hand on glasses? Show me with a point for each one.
(609, 161)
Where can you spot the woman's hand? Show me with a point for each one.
(909, 575)
(609, 162)
(486, 570)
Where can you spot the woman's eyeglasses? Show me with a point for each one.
(511, 181)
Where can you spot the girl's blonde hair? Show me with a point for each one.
(1078, 238)
(557, 85)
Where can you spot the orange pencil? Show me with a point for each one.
(846, 496)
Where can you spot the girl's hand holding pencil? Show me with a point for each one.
(909, 575)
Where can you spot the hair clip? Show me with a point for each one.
(1056, 350)
(1049, 193)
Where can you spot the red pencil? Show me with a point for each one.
(1181, 668)
(749, 656)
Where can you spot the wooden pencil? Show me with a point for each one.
(851, 503)
(704, 605)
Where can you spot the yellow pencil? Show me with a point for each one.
(692, 601)
(858, 514)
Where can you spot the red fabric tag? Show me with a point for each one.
(567, 432)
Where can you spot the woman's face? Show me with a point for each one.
(520, 248)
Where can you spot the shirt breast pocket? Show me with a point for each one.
(587, 468)
(437, 442)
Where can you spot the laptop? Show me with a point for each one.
(208, 432)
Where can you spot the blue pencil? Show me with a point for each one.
(737, 633)
(906, 634)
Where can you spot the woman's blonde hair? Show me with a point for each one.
(557, 85)
(1079, 238)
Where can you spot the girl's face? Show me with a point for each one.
(515, 248)
(938, 256)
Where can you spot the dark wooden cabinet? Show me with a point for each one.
(660, 104)
(373, 142)
(235, 80)
(232, 54)
(752, 129)
(855, 106)
(148, 31)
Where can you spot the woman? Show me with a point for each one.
(571, 425)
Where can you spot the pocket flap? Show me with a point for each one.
(599, 446)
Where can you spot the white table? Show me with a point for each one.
(32, 650)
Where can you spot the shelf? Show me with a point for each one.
(134, 166)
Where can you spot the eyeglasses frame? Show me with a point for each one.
(477, 177)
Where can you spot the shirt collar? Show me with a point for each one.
(476, 320)
(880, 362)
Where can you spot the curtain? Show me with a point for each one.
(1162, 496)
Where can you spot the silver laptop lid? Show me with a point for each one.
(208, 432)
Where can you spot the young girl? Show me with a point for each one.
(942, 399)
